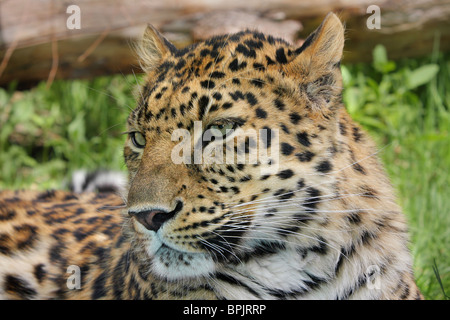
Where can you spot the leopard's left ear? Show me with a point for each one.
(153, 48)
(316, 63)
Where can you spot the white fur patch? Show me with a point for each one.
(172, 264)
(84, 181)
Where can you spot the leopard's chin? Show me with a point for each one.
(171, 264)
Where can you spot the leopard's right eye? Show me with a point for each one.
(223, 129)
(138, 139)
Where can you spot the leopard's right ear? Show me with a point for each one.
(153, 48)
(316, 66)
(323, 47)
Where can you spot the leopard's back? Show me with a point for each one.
(45, 237)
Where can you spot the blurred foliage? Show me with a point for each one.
(384, 97)
(46, 134)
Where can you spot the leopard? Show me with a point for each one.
(315, 217)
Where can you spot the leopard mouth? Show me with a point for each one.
(167, 248)
(171, 263)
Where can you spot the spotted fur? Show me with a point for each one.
(324, 225)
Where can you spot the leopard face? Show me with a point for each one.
(275, 100)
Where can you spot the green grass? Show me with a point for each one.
(46, 134)
(410, 120)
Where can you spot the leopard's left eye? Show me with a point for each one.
(223, 129)
(138, 139)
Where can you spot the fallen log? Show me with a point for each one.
(39, 40)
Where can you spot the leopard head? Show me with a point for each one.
(230, 147)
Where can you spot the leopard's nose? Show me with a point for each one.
(153, 219)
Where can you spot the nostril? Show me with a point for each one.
(178, 207)
(159, 217)
(154, 219)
